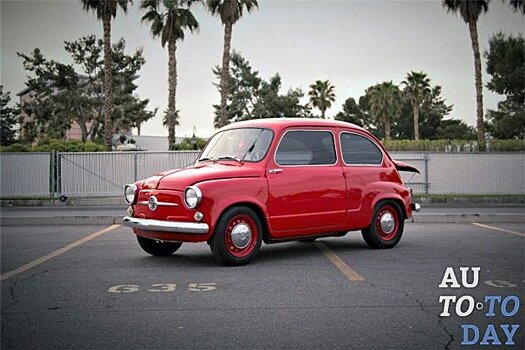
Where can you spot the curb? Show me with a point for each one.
(60, 220)
(467, 218)
(111, 219)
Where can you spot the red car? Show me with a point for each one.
(274, 180)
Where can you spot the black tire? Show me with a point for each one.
(380, 236)
(158, 248)
(238, 236)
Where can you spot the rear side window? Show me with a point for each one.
(358, 149)
(305, 147)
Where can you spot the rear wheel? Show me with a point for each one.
(238, 236)
(158, 248)
(386, 227)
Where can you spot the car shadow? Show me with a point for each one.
(269, 253)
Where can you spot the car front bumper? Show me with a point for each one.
(166, 226)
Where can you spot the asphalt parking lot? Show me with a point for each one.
(73, 287)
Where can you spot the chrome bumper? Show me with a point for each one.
(166, 226)
(416, 207)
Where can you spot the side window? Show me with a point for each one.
(357, 149)
(303, 147)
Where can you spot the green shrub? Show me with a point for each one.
(48, 145)
(16, 147)
(453, 146)
(90, 146)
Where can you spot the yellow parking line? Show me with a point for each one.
(349, 272)
(499, 229)
(56, 253)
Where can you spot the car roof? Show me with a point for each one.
(282, 123)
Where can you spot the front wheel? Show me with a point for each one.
(238, 236)
(386, 226)
(158, 248)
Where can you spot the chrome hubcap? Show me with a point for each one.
(241, 236)
(387, 222)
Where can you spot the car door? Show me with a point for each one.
(362, 166)
(305, 184)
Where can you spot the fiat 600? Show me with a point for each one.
(274, 180)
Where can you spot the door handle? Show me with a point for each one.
(275, 171)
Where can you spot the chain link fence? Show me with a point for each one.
(105, 174)
(26, 174)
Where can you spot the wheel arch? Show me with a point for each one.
(253, 206)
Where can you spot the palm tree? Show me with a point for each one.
(165, 121)
(322, 94)
(105, 10)
(417, 89)
(470, 10)
(384, 103)
(518, 6)
(229, 11)
(169, 24)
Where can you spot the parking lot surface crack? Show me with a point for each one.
(13, 300)
(422, 308)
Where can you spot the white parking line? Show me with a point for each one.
(499, 229)
(349, 272)
(56, 253)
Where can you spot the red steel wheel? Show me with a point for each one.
(241, 234)
(238, 236)
(387, 222)
(386, 226)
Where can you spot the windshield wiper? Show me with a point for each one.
(230, 158)
(206, 159)
(252, 146)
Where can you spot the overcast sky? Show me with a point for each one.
(354, 44)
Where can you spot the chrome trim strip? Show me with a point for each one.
(166, 204)
(366, 137)
(166, 226)
(299, 128)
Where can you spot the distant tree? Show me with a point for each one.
(230, 11)
(105, 11)
(454, 129)
(251, 97)
(8, 120)
(169, 21)
(416, 88)
(431, 113)
(470, 10)
(66, 93)
(171, 118)
(384, 102)
(355, 113)
(506, 67)
(518, 6)
(322, 95)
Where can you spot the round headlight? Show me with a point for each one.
(130, 191)
(192, 197)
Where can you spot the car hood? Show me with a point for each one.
(180, 179)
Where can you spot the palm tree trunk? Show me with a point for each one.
(108, 132)
(172, 89)
(387, 129)
(323, 111)
(225, 73)
(473, 29)
(416, 122)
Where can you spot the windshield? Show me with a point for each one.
(249, 144)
